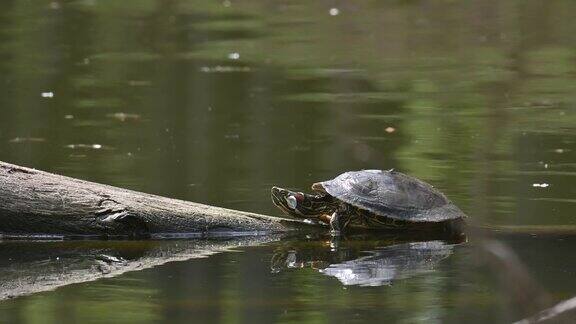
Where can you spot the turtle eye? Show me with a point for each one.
(292, 202)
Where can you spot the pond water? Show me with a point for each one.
(217, 101)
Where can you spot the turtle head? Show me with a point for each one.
(301, 205)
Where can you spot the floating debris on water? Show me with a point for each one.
(390, 129)
(224, 69)
(541, 103)
(234, 56)
(47, 94)
(544, 164)
(87, 146)
(124, 116)
(139, 83)
(334, 11)
(540, 185)
(27, 140)
(68, 116)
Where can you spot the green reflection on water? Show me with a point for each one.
(448, 285)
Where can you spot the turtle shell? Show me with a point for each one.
(392, 194)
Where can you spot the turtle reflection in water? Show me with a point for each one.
(373, 199)
(376, 267)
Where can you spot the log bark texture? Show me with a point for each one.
(35, 203)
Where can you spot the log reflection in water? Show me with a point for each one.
(31, 267)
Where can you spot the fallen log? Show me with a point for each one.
(36, 203)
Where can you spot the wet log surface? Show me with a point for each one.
(36, 203)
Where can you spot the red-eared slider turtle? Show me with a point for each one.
(373, 199)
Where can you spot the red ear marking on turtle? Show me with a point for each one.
(299, 196)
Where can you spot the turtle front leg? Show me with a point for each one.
(339, 220)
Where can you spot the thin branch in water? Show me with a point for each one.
(553, 312)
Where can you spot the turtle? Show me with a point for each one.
(374, 199)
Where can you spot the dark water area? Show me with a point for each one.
(217, 101)
(302, 279)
